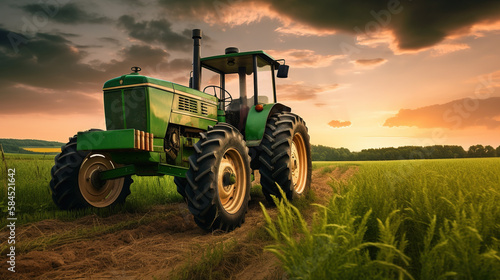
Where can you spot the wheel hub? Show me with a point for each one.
(97, 192)
(228, 179)
(95, 180)
(231, 181)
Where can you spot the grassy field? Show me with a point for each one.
(423, 219)
(34, 201)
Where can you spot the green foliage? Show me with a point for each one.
(432, 219)
(480, 151)
(334, 246)
(324, 153)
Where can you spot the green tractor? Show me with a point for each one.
(210, 140)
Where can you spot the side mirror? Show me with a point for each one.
(283, 71)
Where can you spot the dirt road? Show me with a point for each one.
(163, 243)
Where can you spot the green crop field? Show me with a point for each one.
(420, 219)
(33, 198)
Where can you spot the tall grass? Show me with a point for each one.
(427, 219)
(34, 201)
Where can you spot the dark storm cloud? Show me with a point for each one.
(20, 100)
(457, 114)
(70, 13)
(48, 75)
(153, 61)
(156, 31)
(47, 61)
(110, 40)
(416, 24)
(132, 3)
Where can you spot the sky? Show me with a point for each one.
(363, 74)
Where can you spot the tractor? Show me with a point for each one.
(210, 140)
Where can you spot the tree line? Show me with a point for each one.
(16, 145)
(324, 153)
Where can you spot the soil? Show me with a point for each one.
(154, 249)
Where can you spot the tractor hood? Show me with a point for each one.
(147, 104)
(137, 80)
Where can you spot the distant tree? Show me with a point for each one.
(476, 151)
(489, 151)
(324, 153)
(498, 151)
(458, 151)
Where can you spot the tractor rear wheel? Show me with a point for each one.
(286, 157)
(75, 180)
(218, 179)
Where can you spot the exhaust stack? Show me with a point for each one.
(196, 59)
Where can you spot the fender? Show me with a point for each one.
(256, 122)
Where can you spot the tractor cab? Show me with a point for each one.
(241, 80)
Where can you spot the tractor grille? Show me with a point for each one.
(204, 109)
(188, 105)
(126, 108)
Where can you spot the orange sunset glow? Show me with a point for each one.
(363, 74)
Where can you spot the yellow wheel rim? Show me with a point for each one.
(298, 163)
(232, 181)
(96, 192)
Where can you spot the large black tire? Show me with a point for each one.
(67, 174)
(286, 157)
(181, 185)
(218, 188)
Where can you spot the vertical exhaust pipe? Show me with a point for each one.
(196, 59)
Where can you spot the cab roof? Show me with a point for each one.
(229, 63)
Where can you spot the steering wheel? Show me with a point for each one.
(228, 98)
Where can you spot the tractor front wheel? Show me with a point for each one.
(75, 180)
(181, 186)
(218, 179)
(286, 157)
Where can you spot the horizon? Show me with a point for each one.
(371, 75)
(352, 151)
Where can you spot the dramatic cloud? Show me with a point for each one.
(370, 62)
(48, 75)
(304, 58)
(298, 91)
(414, 24)
(294, 28)
(339, 124)
(70, 13)
(109, 40)
(21, 100)
(442, 49)
(457, 114)
(47, 61)
(156, 31)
